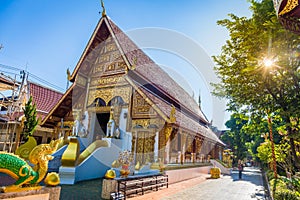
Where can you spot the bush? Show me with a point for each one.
(296, 183)
(270, 174)
(286, 189)
(280, 184)
(286, 195)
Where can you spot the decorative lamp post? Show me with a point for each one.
(288, 12)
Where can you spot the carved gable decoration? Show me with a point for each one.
(78, 101)
(109, 60)
(108, 81)
(108, 94)
(140, 108)
(89, 58)
(81, 80)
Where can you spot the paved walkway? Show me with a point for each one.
(250, 187)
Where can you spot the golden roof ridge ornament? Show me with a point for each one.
(69, 77)
(134, 63)
(103, 9)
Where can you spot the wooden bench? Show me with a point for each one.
(138, 184)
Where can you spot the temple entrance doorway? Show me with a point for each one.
(101, 123)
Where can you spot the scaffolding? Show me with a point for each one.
(9, 135)
(10, 125)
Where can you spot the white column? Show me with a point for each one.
(156, 139)
(167, 152)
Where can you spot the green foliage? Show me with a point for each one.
(244, 79)
(282, 154)
(270, 175)
(286, 189)
(244, 135)
(293, 183)
(235, 137)
(255, 128)
(280, 184)
(264, 152)
(248, 84)
(286, 195)
(31, 120)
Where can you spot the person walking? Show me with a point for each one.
(240, 168)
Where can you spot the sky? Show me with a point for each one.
(47, 37)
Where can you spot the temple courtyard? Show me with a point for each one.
(250, 187)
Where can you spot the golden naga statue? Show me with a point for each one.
(24, 150)
(27, 177)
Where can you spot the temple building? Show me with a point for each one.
(118, 92)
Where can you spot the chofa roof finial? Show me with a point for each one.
(103, 9)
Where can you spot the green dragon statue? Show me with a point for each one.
(27, 177)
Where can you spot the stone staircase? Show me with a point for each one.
(67, 175)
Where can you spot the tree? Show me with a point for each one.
(31, 120)
(246, 81)
(236, 137)
(281, 152)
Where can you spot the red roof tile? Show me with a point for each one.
(44, 98)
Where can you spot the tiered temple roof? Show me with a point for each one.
(144, 74)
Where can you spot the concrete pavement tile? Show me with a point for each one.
(250, 187)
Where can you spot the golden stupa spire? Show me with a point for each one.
(103, 9)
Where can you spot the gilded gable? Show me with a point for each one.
(109, 61)
(140, 108)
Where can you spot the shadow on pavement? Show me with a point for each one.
(254, 176)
